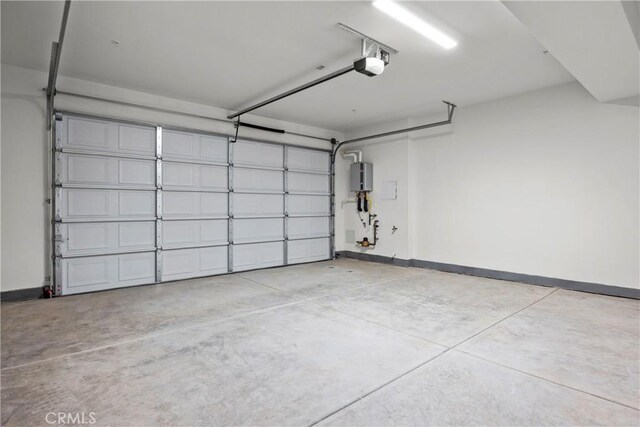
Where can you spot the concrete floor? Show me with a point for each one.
(336, 343)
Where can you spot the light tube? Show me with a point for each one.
(407, 18)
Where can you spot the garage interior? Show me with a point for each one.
(320, 213)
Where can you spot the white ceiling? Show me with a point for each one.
(594, 40)
(230, 54)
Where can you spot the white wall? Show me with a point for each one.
(23, 185)
(545, 183)
(25, 156)
(390, 159)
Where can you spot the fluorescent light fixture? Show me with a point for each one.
(407, 18)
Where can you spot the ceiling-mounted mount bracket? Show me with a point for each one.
(371, 49)
(450, 109)
(369, 44)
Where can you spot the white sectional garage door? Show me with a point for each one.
(257, 205)
(105, 205)
(139, 204)
(194, 172)
(308, 205)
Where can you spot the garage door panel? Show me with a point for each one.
(184, 234)
(136, 267)
(214, 149)
(257, 154)
(83, 238)
(109, 137)
(92, 171)
(185, 176)
(258, 205)
(77, 169)
(98, 204)
(136, 203)
(212, 204)
(308, 205)
(308, 250)
(258, 230)
(193, 147)
(257, 255)
(307, 160)
(137, 139)
(89, 203)
(89, 271)
(257, 180)
(136, 172)
(90, 134)
(307, 183)
(133, 235)
(214, 178)
(196, 262)
(89, 274)
(104, 237)
(177, 205)
(300, 228)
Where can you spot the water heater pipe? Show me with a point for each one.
(357, 155)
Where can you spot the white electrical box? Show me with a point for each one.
(361, 177)
(389, 190)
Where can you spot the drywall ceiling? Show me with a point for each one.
(230, 54)
(594, 40)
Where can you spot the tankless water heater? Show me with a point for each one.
(361, 177)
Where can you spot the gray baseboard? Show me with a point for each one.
(375, 258)
(594, 288)
(21, 294)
